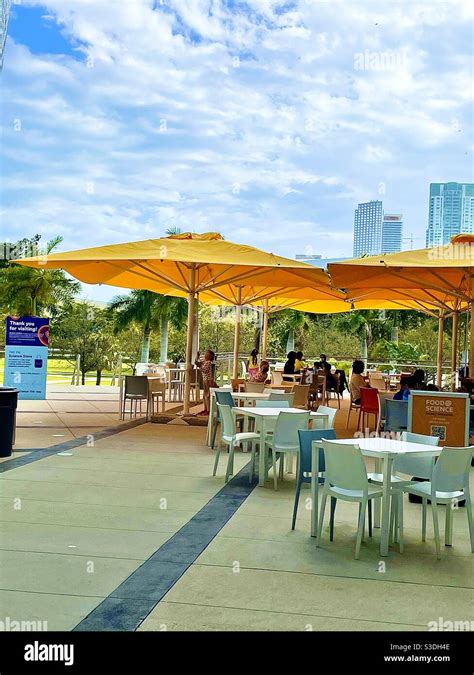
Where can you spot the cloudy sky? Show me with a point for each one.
(265, 120)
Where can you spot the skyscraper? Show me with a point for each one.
(451, 212)
(368, 228)
(392, 233)
(4, 14)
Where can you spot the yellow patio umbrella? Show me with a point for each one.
(203, 266)
(436, 278)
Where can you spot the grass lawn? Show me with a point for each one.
(60, 371)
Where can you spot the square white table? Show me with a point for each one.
(240, 397)
(264, 415)
(385, 450)
(250, 396)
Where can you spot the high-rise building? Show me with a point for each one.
(368, 228)
(4, 14)
(451, 212)
(392, 233)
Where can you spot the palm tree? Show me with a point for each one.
(297, 326)
(172, 311)
(367, 325)
(27, 290)
(151, 311)
(136, 307)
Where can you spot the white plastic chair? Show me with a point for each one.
(421, 467)
(230, 437)
(285, 438)
(277, 377)
(449, 485)
(346, 479)
(213, 421)
(331, 414)
(279, 396)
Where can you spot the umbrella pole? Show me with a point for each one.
(439, 360)
(189, 341)
(454, 351)
(265, 329)
(238, 308)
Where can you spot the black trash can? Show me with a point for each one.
(8, 403)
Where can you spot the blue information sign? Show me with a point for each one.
(26, 355)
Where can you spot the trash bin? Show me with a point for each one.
(8, 403)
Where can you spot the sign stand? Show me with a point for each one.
(440, 413)
(26, 356)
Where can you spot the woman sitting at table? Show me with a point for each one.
(206, 366)
(357, 381)
(289, 368)
(262, 373)
(299, 362)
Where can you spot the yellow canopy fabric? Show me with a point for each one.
(223, 271)
(203, 266)
(440, 276)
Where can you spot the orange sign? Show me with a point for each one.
(442, 414)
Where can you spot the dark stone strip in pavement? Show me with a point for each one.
(131, 602)
(40, 453)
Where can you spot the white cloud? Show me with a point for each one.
(246, 117)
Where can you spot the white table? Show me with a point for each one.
(241, 397)
(384, 450)
(250, 396)
(262, 417)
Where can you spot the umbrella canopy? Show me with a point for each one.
(163, 266)
(203, 266)
(439, 278)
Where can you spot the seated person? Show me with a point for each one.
(357, 381)
(411, 384)
(419, 378)
(299, 363)
(398, 396)
(432, 387)
(289, 368)
(262, 373)
(322, 364)
(331, 382)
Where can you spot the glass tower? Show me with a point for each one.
(368, 228)
(451, 212)
(4, 13)
(392, 233)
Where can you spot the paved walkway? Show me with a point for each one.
(133, 532)
(68, 412)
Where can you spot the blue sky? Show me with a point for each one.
(267, 121)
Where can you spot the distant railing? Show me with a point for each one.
(225, 366)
